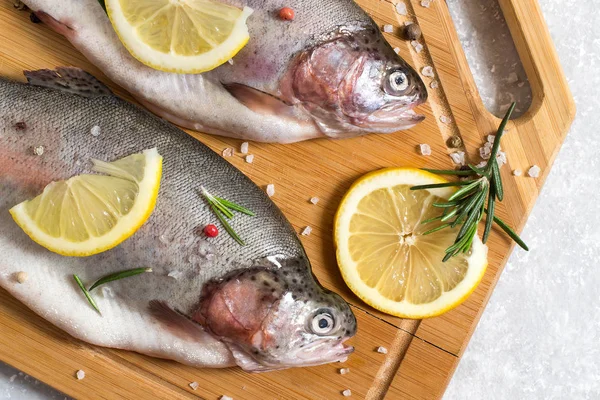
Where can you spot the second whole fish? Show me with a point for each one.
(327, 73)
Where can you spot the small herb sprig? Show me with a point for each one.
(223, 209)
(466, 207)
(108, 278)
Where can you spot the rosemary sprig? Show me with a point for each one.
(466, 206)
(108, 278)
(223, 209)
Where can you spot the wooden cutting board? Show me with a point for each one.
(423, 354)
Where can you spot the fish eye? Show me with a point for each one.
(322, 323)
(397, 83)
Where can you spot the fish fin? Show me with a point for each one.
(257, 100)
(177, 323)
(68, 79)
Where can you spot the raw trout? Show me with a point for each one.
(208, 303)
(329, 72)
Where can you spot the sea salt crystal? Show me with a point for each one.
(347, 393)
(175, 274)
(250, 158)
(38, 150)
(425, 149)
(306, 231)
(426, 3)
(228, 152)
(80, 374)
(224, 397)
(513, 77)
(12, 378)
(401, 8)
(418, 46)
(458, 157)
(428, 71)
(397, 50)
(388, 28)
(230, 61)
(194, 385)
(501, 158)
(517, 172)
(344, 371)
(314, 200)
(382, 350)
(22, 277)
(408, 23)
(434, 84)
(491, 138)
(107, 292)
(445, 120)
(95, 131)
(244, 148)
(270, 190)
(534, 171)
(482, 164)
(485, 153)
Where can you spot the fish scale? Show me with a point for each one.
(170, 242)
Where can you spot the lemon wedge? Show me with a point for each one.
(89, 214)
(383, 255)
(183, 36)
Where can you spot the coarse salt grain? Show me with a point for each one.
(22, 277)
(428, 71)
(314, 200)
(306, 231)
(408, 23)
(224, 397)
(513, 78)
(491, 138)
(228, 152)
(458, 157)
(194, 385)
(382, 350)
(426, 3)
(434, 84)
(80, 374)
(250, 158)
(534, 171)
(485, 153)
(482, 164)
(230, 61)
(38, 150)
(418, 46)
(175, 274)
(517, 172)
(347, 393)
(401, 8)
(388, 28)
(501, 158)
(270, 190)
(425, 149)
(244, 148)
(344, 371)
(445, 120)
(95, 131)
(397, 50)
(12, 378)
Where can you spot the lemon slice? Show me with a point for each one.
(385, 258)
(184, 36)
(89, 214)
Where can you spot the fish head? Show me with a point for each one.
(277, 318)
(355, 83)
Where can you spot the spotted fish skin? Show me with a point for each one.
(184, 262)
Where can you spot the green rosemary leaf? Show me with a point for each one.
(235, 207)
(87, 294)
(469, 206)
(427, 221)
(471, 235)
(473, 218)
(448, 172)
(439, 228)
(226, 225)
(511, 233)
(499, 134)
(463, 192)
(477, 170)
(490, 213)
(119, 275)
(212, 200)
(445, 205)
(451, 214)
(497, 181)
(441, 185)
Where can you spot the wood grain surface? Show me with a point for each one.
(423, 354)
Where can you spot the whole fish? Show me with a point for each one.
(329, 72)
(208, 303)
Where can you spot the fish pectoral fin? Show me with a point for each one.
(68, 79)
(258, 101)
(175, 322)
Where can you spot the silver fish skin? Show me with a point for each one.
(208, 302)
(327, 73)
